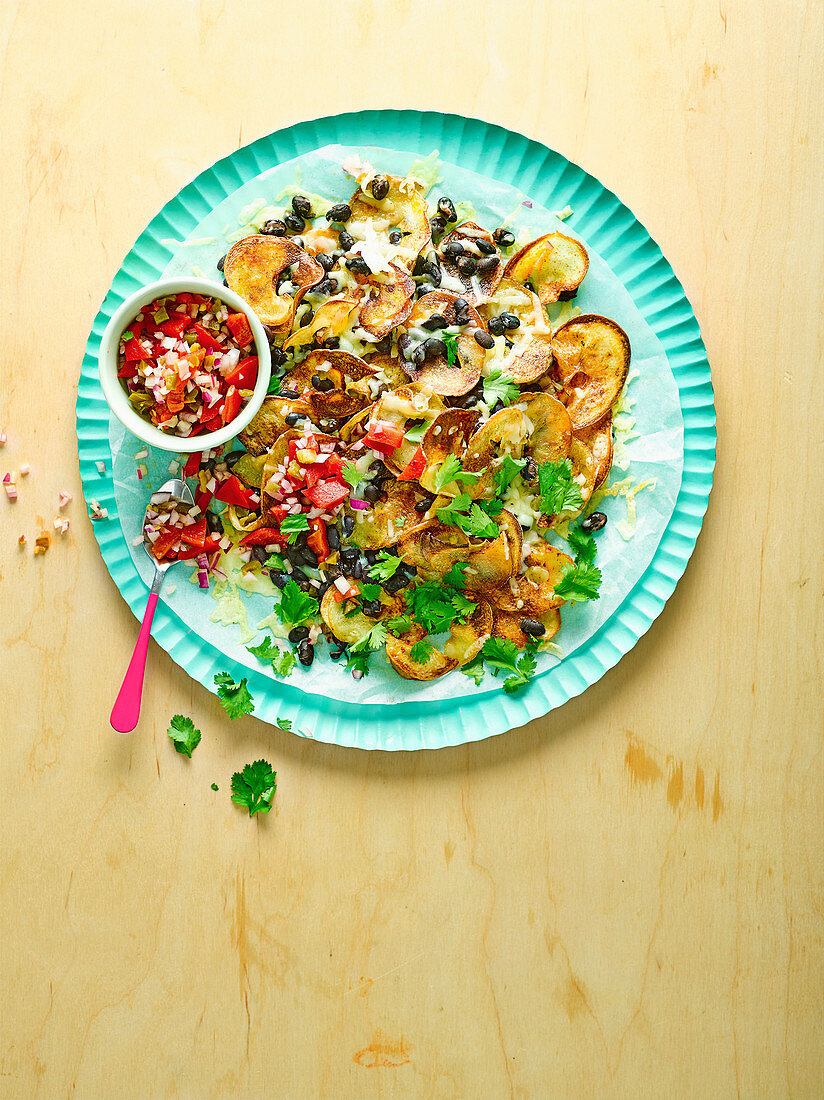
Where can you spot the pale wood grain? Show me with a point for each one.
(621, 900)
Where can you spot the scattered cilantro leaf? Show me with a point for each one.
(560, 492)
(460, 504)
(416, 433)
(358, 660)
(184, 736)
(401, 625)
(127, 335)
(579, 582)
(351, 475)
(292, 526)
(235, 697)
(372, 639)
(386, 567)
(421, 651)
(500, 387)
(284, 724)
(478, 523)
(502, 655)
(265, 650)
(274, 385)
(431, 605)
(583, 545)
(474, 670)
(455, 576)
(462, 605)
(451, 470)
(254, 787)
(450, 339)
(215, 787)
(274, 561)
(284, 662)
(492, 507)
(506, 473)
(369, 591)
(295, 607)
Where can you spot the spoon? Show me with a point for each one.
(126, 709)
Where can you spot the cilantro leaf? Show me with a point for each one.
(492, 507)
(295, 607)
(284, 662)
(184, 736)
(460, 504)
(265, 650)
(372, 639)
(215, 787)
(385, 568)
(474, 670)
(451, 470)
(450, 339)
(274, 561)
(579, 582)
(274, 385)
(254, 787)
(583, 545)
(284, 724)
(416, 433)
(478, 523)
(369, 591)
(500, 387)
(432, 606)
(455, 576)
(350, 474)
(463, 606)
(421, 651)
(293, 526)
(507, 472)
(358, 660)
(560, 492)
(401, 625)
(235, 697)
(503, 655)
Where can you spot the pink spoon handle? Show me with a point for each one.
(126, 709)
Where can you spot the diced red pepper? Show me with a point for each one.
(326, 494)
(245, 374)
(205, 338)
(414, 468)
(209, 547)
(231, 405)
(176, 325)
(185, 297)
(128, 370)
(164, 542)
(238, 325)
(384, 437)
(233, 491)
(351, 591)
(192, 464)
(196, 533)
(314, 473)
(263, 536)
(317, 541)
(133, 351)
(311, 444)
(202, 499)
(334, 464)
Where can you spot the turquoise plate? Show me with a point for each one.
(602, 220)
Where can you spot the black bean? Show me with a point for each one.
(437, 225)
(326, 286)
(496, 326)
(306, 317)
(336, 654)
(357, 570)
(470, 401)
(288, 393)
(331, 342)
(509, 321)
(359, 265)
(346, 240)
(434, 348)
(349, 555)
(274, 228)
(259, 554)
(486, 247)
(466, 265)
(372, 608)
(225, 282)
(594, 522)
(340, 212)
(301, 206)
(453, 248)
(530, 470)
(292, 418)
(483, 338)
(503, 238)
(378, 467)
(461, 305)
(379, 187)
(232, 457)
(297, 574)
(309, 557)
(298, 633)
(434, 323)
(419, 355)
(294, 222)
(278, 578)
(433, 273)
(395, 237)
(496, 408)
(306, 652)
(404, 345)
(347, 526)
(487, 264)
(325, 261)
(279, 357)
(422, 506)
(372, 493)
(213, 522)
(384, 346)
(333, 537)
(323, 588)
(325, 385)
(424, 288)
(396, 582)
(533, 628)
(446, 208)
(221, 262)
(419, 265)
(370, 556)
(315, 380)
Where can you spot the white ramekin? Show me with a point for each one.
(116, 396)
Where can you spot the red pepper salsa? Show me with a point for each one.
(187, 363)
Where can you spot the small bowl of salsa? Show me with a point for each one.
(184, 364)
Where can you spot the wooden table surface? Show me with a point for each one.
(623, 899)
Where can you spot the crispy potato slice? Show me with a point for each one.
(330, 319)
(599, 440)
(390, 368)
(437, 374)
(592, 355)
(270, 422)
(446, 435)
(404, 208)
(555, 265)
(507, 625)
(351, 628)
(551, 434)
(390, 305)
(505, 433)
(477, 288)
(494, 561)
(532, 355)
(391, 518)
(350, 374)
(532, 593)
(252, 267)
(466, 640)
(412, 402)
(398, 650)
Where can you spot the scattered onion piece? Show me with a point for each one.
(101, 467)
(25, 469)
(360, 505)
(202, 571)
(64, 496)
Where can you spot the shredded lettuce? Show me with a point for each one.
(426, 170)
(466, 211)
(624, 527)
(561, 312)
(623, 423)
(320, 203)
(230, 610)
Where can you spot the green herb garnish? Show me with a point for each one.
(235, 697)
(185, 737)
(254, 787)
